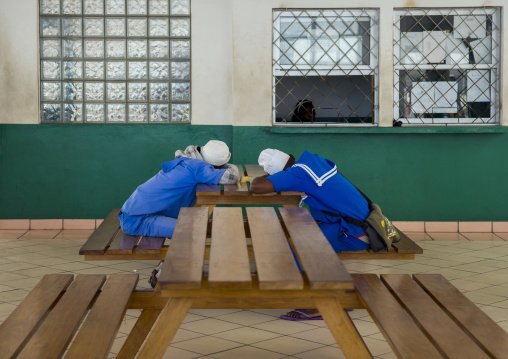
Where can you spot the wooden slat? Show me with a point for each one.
(480, 326)
(276, 267)
(150, 245)
(57, 330)
(438, 326)
(99, 330)
(123, 244)
(183, 266)
(406, 245)
(229, 259)
(207, 190)
(400, 331)
(237, 189)
(321, 264)
(139, 333)
(103, 235)
(254, 171)
(18, 326)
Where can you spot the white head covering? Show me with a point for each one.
(272, 160)
(216, 153)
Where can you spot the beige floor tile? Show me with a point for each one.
(504, 325)
(209, 326)
(183, 335)
(287, 345)
(248, 352)
(41, 234)
(11, 233)
(366, 328)
(15, 295)
(213, 312)
(495, 290)
(319, 335)
(191, 317)
(442, 236)
(173, 352)
(474, 267)
(504, 236)
(247, 335)
(6, 308)
(206, 345)
(487, 278)
(418, 236)
(481, 236)
(328, 352)
(246, 317)
(377, 347)
(417, 268)
(285, 327)
(74, 234)
(387, 356)
(498, 314)
(466, 285)
(483, 299)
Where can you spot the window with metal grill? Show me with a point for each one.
(115, 61)
(325, 67)
(446, 66)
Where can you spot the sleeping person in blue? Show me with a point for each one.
(153, 208)
(325, 190)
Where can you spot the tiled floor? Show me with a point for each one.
(476, 263)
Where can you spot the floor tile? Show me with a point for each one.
(12, 233)
(41, 234)
(319, 335)
(443, 236)
(209, 326)
(284, 327)
(246, 317)
(207, 345)
(287, 345)
(504, 236)
(247, 335)
(327, 352)
(481, 236)
(174, 352)
(74, 234)
(247, 352)
(419, 236)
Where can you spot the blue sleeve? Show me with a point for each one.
(206, 173)
(287, 181)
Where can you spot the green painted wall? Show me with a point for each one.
(83, 171)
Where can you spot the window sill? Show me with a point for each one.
(393, 130)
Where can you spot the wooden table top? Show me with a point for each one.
(274, 268)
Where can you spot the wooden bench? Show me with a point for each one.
(52, 314)
(109, 242)
(427, 317)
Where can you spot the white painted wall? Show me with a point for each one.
(231, 57)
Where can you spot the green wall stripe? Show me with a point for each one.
(82, 171)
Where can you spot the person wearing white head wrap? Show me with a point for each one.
(272, 160)
(216, 153)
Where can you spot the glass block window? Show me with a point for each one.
(115, 61)
(447, 64)
(325, 67)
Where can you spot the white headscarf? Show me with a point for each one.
(216, 153)
(272, 160)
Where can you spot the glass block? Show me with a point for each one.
(94, 70)
(73, 112)
(116, 91)
(159, 27)
(116, 112)
(159, 113)
(51, 112)
(159, 91)
(115, 7)
(50, 27)
(50, 48)
(50, 70)
(94, 48)
(73, 91)
(115, 27)
(180, 7)
(180, 27)
(51, 91)
(72, 7)
(159, 49)
(180, 91)
(94, 7)
(115, 48)
(94, 27)
(73, 70)
(71, 27)
(159, 70)
(136, 27)
(180, 113)
(94, 112)
(159, 7)
(94, 91)
(116, 70)
(180, 70)
(137, 91)
(136, 7)
(138, 112)
(180, 49)
(72, 48)
(50, 7)
(137, 70)
(137, 49)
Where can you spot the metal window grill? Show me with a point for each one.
(447, 66)
(325, 67)
(115, 61)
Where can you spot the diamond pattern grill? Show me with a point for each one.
(325, 66)
(446, 65)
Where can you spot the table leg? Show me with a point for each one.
(342, 328)
(165, 328)
(138, 333)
